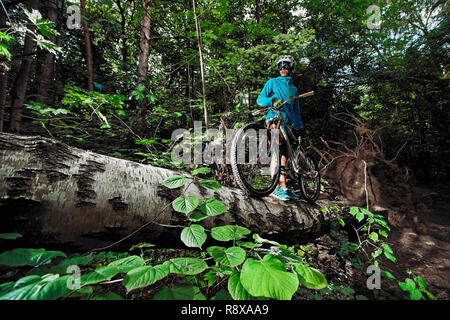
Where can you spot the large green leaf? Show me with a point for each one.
(145, 276)
(128, 263)
(179, 293)
(188, 266)
(213, 207)
(236, 289)
(210, 184)
(310, 277)
(268, 278)
(100, 274)
(185, 205)
(230, 257)
(62, 266)
(193, 236)
(28, 257)
(229, 232)
(48, 287)
(175, 182)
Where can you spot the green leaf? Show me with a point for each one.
(268, 278)
(6, 287)
(145, 276)
(373, 236)
(341, 222)
(193, 236)
(179, 293)
(388, 252)
(128, 263)
(108, 296)
(354, 211)
(210, 184)
(175, 182)
(310, 277)
(389, 256)
(187, 266)
(387, 274)
(230, 257)
(229, 232)
(141, 246)
(367, 212)
(213, 207)
(236, 289)
(201, 171)
(376, 253)
(10, 236)
(48, 287)
(421, 282)
(198, 216)
(415, 294)
(185, 205)
(359, 216)
(99, 275)
(387, 248)
(28, 257)
(383, 233)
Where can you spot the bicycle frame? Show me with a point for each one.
(285, 131)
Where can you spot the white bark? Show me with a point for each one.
(90, 200)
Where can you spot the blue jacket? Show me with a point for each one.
(282, 89)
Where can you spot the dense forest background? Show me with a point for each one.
(119, 76)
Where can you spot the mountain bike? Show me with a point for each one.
(256, 158)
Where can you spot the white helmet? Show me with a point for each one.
(285, 62)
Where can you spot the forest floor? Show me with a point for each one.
(426, 250)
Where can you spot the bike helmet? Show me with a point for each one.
(286, 62)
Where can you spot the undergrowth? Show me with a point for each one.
(244, 266)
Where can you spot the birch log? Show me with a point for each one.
(56, 194)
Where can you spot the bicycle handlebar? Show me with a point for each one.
(303, 95)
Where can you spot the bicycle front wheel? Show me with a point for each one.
(255, 159)
(309, 179)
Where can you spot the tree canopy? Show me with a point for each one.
(385, 62)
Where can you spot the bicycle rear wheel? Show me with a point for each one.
(255, 164)
(309, 178)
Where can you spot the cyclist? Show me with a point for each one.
(275, 91)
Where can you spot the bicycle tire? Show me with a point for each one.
(238, 169)
(311, 194)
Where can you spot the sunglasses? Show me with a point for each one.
(284, 64)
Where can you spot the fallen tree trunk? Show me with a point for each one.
(56, 194)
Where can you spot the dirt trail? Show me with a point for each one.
(425, 247)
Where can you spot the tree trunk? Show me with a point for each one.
(3, 78)
(55, 194)
(3, 93)
(200, 52)
(144, 42)
(87, 41)
(49, 60)
(20, 86)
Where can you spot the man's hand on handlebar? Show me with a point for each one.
(277, 103)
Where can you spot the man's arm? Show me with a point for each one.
(265, 97)
(297, 120)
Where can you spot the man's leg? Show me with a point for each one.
(282, 182)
